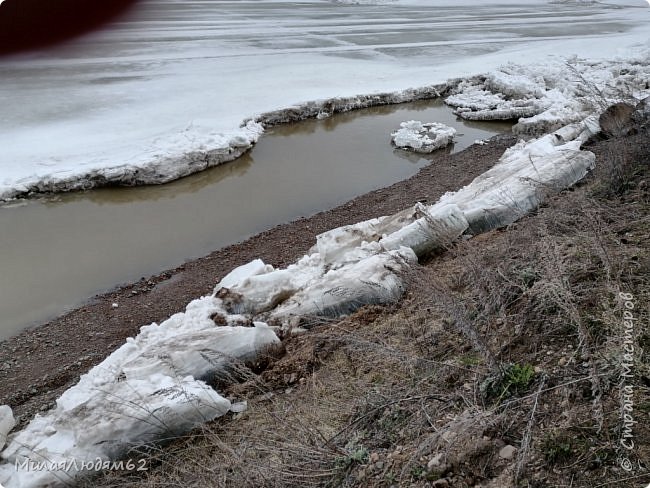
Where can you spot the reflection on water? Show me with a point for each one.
(58, 251)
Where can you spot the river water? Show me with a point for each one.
(65, 248)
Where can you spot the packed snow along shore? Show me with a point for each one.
(423, 138)
(546, 97)
(154, 387)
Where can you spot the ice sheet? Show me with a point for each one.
(175, 79)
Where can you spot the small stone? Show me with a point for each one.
(449, 436)
(115, 305)
(507, 452)
(374, 457)
(562, 361)
(435, 463)
(290, 378)
(379, 465)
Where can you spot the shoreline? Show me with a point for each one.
(161, 170)
(41, 362)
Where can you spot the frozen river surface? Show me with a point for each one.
(172, 76)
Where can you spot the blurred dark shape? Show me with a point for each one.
(29, 24)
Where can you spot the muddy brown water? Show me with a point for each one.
(59, 251)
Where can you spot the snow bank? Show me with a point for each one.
(151, 388)
(374, 278)
(423, 138)
(438, 227)
(524, 176)
(549, 96)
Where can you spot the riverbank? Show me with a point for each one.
(516, 358)
(39, 364)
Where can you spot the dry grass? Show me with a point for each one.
(511, 338)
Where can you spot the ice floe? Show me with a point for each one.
(423, 138)
(133, 100)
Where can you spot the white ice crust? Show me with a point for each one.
(7, 422)
(149, 389)
(132, 104)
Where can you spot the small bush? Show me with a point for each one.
(509, 380)
(557, 449)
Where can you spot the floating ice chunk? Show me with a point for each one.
(7, 422)
(423, 138)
